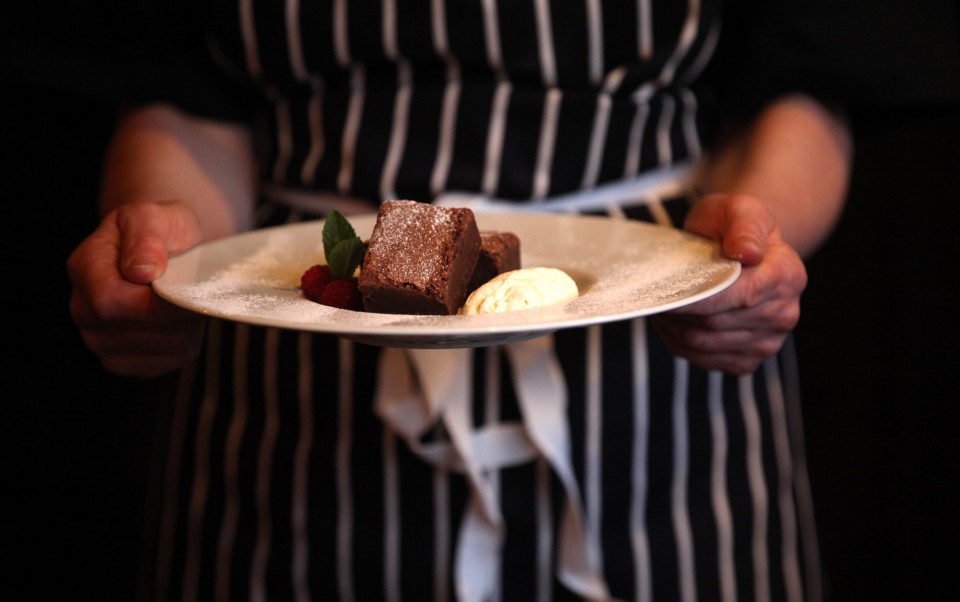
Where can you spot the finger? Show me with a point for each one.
(182, 340)
(142, 366)
(690, 340)
(730, 363)
(135, 349)
(736, 352)
(94, 261)
(749, 225)
(741, 223)
(122, 302)
(780, 278)
(777, 315)
(689, 337)
(150, 234)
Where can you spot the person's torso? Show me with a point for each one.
(519, 100)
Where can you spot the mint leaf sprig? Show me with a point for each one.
(341, 246)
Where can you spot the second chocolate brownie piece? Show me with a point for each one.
(499, 252)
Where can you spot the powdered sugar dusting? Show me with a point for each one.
(402, 222)
(278, 263)
(254, 283)
(668, 271)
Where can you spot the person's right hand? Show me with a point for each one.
(132, 330)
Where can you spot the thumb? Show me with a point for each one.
(742, 225)
(150, 233)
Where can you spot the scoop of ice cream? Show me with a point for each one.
(521, 289)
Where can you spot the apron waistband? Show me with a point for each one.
(675, 181)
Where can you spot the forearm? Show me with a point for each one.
(796, 157)
(159, 153)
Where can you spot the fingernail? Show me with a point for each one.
(745, 247)
(140, 264)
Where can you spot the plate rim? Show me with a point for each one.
(454, 331)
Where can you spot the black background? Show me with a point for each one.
(75, 441)
(879, 364)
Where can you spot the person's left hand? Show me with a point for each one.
(737, 329)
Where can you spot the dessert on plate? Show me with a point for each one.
(426, 259)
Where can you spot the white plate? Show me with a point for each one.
(624, 269)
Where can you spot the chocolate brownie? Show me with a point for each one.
(419, 259)
(499, 252)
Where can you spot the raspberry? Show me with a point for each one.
(342, 293)
(314, 280)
